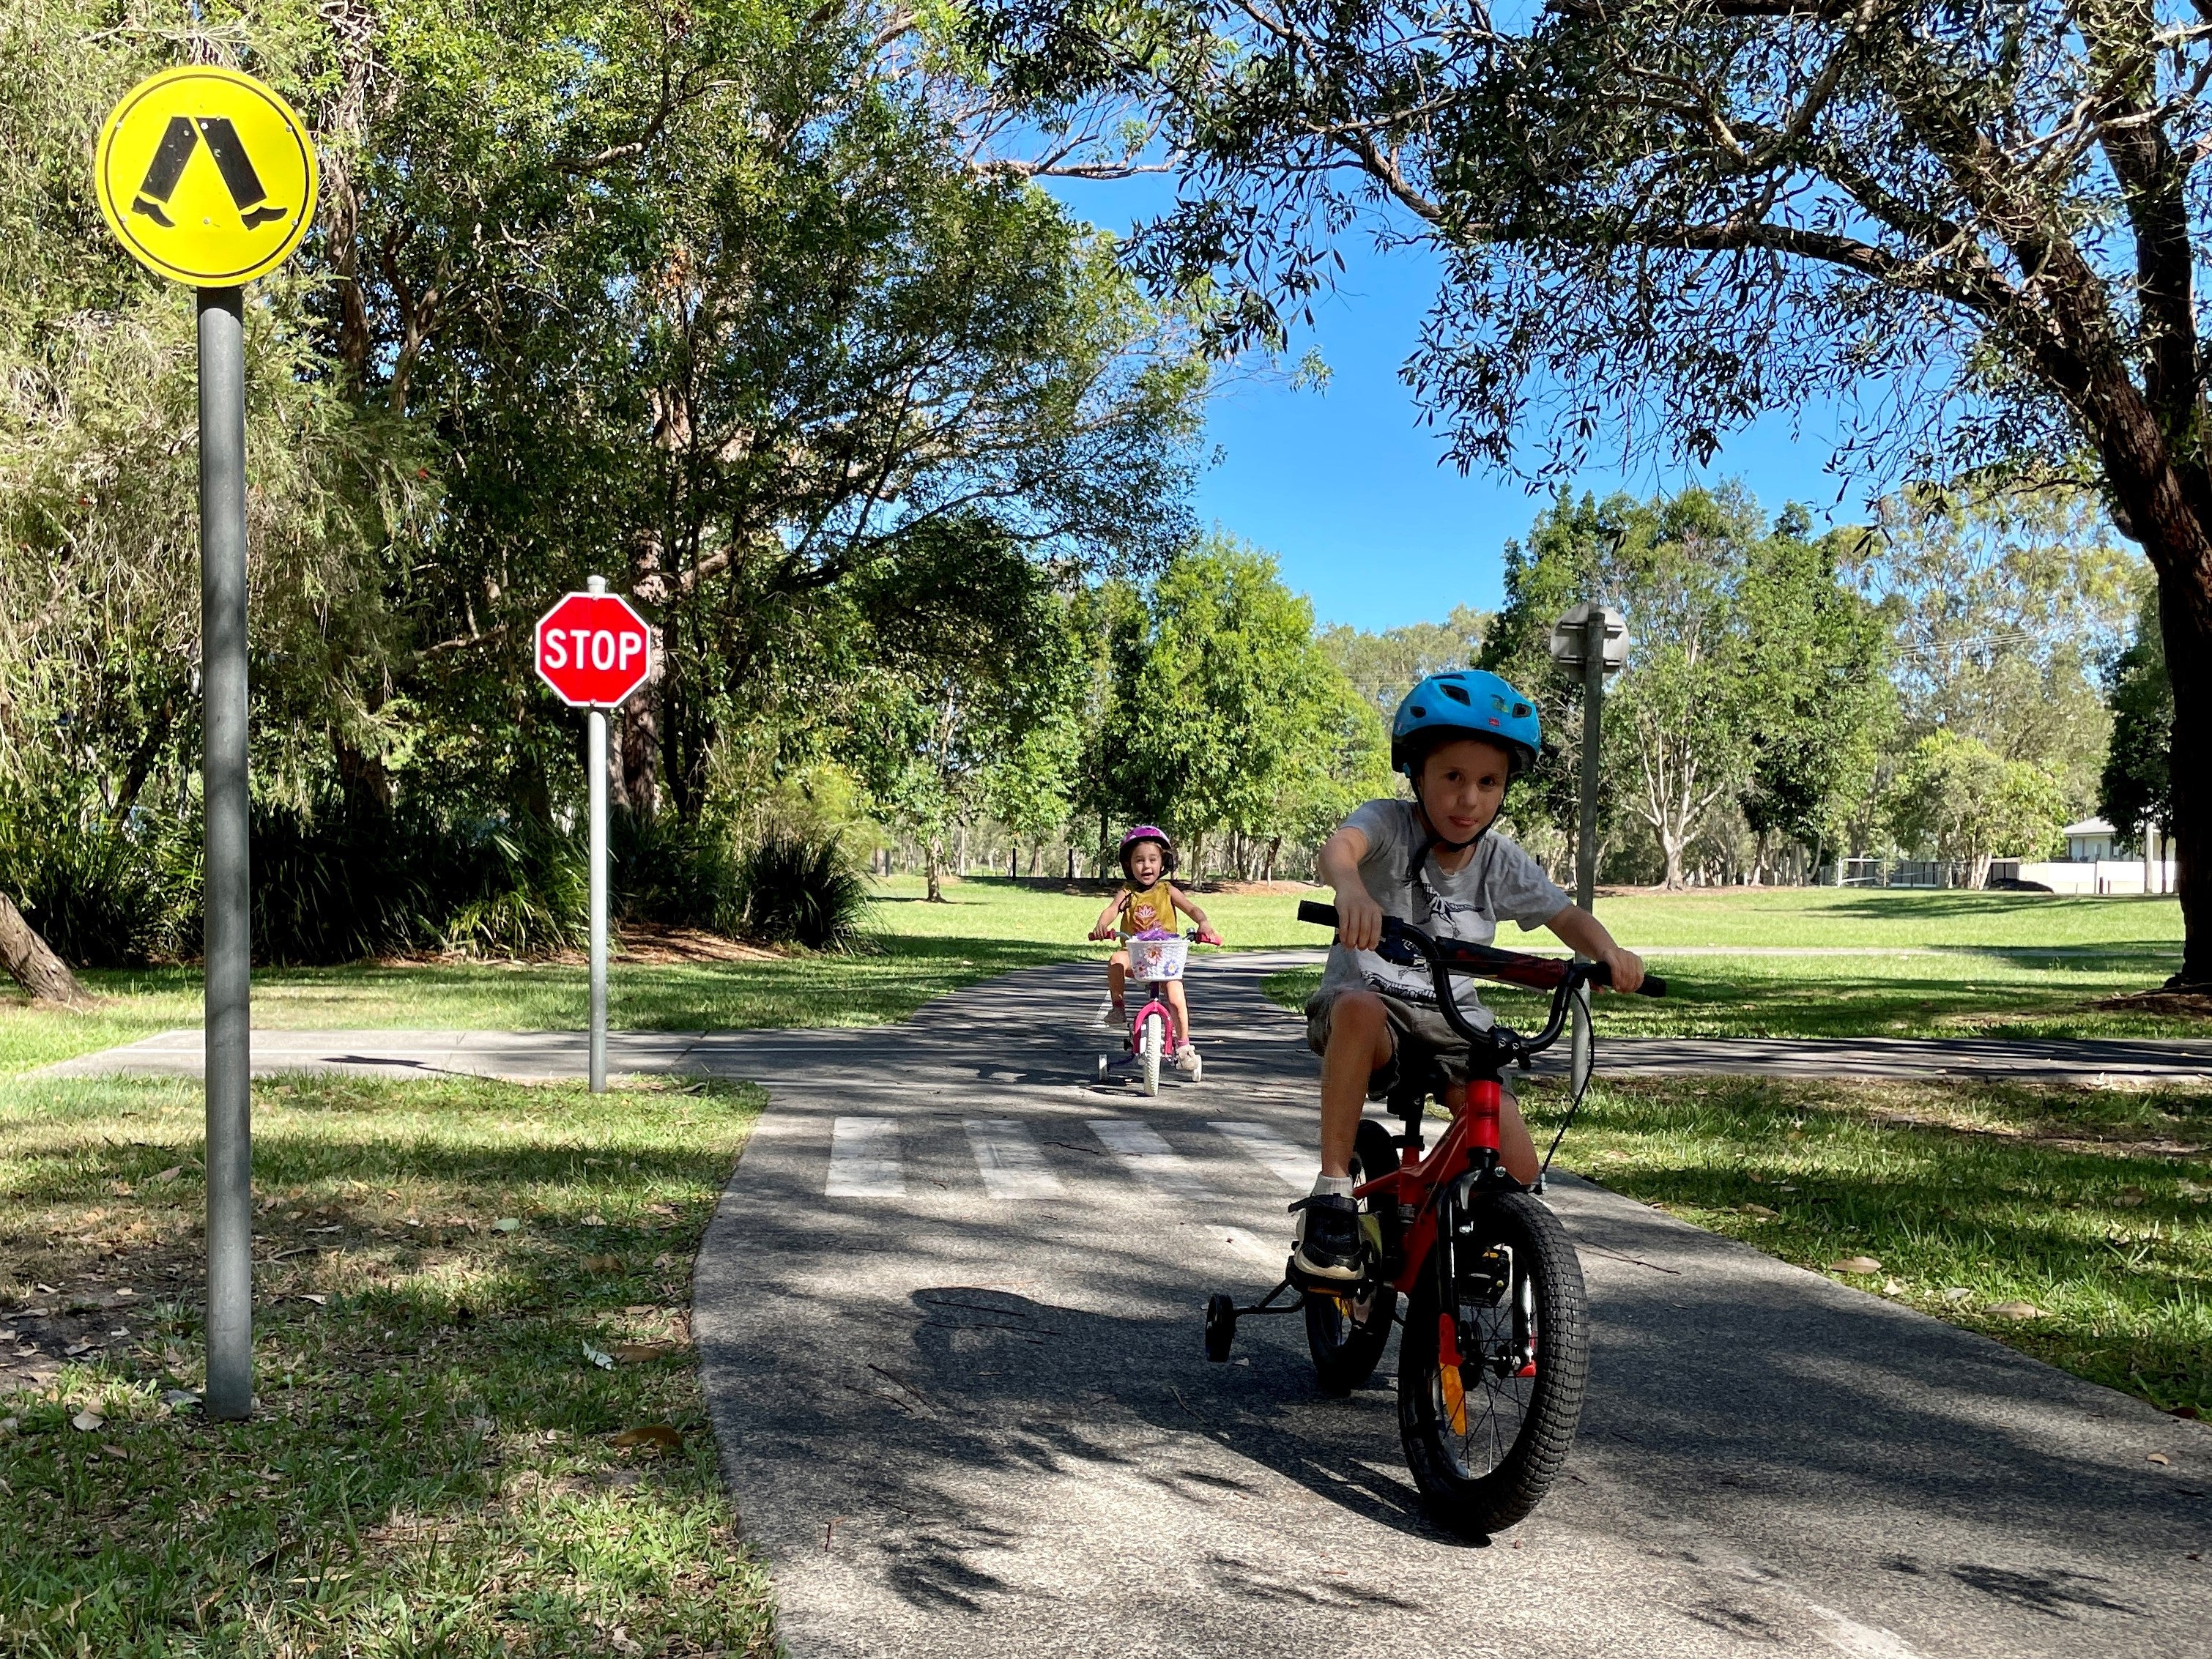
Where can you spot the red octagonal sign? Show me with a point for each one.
(594, 650)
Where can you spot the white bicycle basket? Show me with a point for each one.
(1153, 959)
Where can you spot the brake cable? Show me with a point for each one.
(1588, 1033)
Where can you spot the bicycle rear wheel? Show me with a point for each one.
(1485, 1438)
(1347, 1335)
(1151, 1041)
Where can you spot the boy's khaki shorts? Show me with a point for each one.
(1413, 1022)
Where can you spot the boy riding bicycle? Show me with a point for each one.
(1146, 902)
(1460, 739)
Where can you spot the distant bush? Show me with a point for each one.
(683, 875)
(802, 890)
(92, 887)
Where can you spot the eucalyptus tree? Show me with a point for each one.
(1975, 227)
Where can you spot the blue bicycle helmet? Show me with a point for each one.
(1465, 703)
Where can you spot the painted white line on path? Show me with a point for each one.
(1295, 1168)
(1151, 1159)
(1011, 1163)
(1251, 1249)
(864, 1159)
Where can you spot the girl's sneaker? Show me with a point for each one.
(1187, 1062)
(1109, 1013)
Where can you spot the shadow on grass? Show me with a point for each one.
(429, 1466)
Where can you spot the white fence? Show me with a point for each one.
(2090, 876)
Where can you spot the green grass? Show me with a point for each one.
(2009, 963)
(432, 1468)
(2013, 993)
(2090, 1205)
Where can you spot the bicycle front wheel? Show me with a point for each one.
(1485, 1437)
(1155, 1039)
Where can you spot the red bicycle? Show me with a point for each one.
(1495, 1352)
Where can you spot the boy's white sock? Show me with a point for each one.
(1341, 1186)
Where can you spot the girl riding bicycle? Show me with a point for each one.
(1146, 902)
(1459, 738)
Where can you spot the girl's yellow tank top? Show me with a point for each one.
(1148, 908)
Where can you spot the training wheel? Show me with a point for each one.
(1220, 1326)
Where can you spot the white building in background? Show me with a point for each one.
(2091, 865)
(2090, 841)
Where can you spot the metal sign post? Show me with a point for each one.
(1593, 641)
(594, 651)
(207, 178)
(596, 762)
(227, 895)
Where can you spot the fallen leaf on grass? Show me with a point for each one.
(1957, 1293)
(1892, 1287)
(603, 1264)
(310, 1296)
(115, 1451)
(635, 1354)
(120, 1188)
(2189, 1412)
(506, 1224)
(1760, 1210)
(180, 1400)
(1855, 1264)
(605, 1362)
(2017, 1309)
(85, 1422)
(170, 1174)
(662, 1209)
(657, 1435)
(595, 1220)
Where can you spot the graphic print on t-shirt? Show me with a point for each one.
(1149, 909)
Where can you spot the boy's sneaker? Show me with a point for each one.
(1330, 1244)
(1187, 1062)
(1109, 1013)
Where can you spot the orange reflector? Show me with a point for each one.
(1454, 1398)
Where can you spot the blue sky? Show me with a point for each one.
(1345, 485)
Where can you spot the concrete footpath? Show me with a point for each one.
(949, 1319)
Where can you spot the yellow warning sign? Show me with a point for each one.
(205, 176)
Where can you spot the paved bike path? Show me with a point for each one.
(951, 1349)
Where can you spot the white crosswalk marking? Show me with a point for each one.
(863, 1159)
(1294, 1168)
(1151, 1159)
(1010, 1163)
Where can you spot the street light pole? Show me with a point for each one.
(1593, 641)
(1593, 734)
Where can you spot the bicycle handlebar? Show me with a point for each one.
(1486, 961)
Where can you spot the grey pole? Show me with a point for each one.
(227, 893)
(1593, 728)
(596, 760)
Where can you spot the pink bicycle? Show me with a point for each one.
(1155, 958)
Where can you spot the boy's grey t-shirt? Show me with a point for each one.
(1500, 882)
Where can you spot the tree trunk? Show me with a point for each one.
(1672, 850)
(2185, 614)
(1014, 863)
(1274, 846)
(641, 752)
(1071, 861)
(930, 849)
(32, 965)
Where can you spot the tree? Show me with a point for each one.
(1955, 797)
(2135, 789)
(1383, 667)
(1818, 654)
(2005, 606)
(1226, 713)
(1660, 218)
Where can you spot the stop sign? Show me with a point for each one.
(594, 650)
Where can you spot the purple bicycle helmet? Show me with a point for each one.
(1145, 832)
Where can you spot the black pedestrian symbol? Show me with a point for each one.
(230, 158)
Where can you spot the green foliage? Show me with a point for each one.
(2004, 607)
(2137, 785)
(94, 886)
(1955, 798)
(1383, 667)
(1754, 682)
(802, 892)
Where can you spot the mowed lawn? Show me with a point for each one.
(479, 1430)
(1916, 964)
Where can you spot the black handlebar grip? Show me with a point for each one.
(1321, 915)
(1652, 986)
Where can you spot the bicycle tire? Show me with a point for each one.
(1151, 1043)
(1346, 1345)
(1480, 1479)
